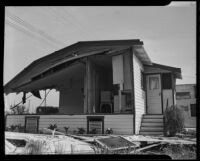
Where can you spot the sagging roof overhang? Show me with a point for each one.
(173, 70)
(61, 59)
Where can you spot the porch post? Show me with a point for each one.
(45, 101)
(133, 87)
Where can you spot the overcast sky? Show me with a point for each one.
(168, 33)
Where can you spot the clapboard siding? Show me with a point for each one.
(121, 124)
(139, 93)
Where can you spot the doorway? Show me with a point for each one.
(154, 102)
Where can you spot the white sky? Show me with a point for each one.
(168, 33)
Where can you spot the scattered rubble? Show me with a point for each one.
(54, 142)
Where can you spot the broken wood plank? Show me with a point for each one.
(140, 138)
(115, 143)
(146, 147)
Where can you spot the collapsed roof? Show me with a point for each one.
(67, 56)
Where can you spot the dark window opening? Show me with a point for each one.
(182, 95)
(166, 81)
(143, 82)
(193, 110)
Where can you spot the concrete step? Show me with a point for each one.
(151, 133)
(152, 124)
(145, 129)
(152, 120)
(153, 116)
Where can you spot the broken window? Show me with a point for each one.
(182, 95)
(166, 81)
(153, 83)
(193, 110)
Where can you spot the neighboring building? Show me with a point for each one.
(102, 84)
(186, 100)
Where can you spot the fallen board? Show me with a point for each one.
(174, 140)
(115, 143)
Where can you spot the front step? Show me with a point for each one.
(153, 116)
(152, 125)
(160, 129)
(151, 133)
(152, 120)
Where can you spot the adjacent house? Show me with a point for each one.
(186, 100)
(102, 84)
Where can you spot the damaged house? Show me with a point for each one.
(101, 84)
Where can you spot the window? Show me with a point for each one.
(193, 110)
(184, 107)
(166, 81)
(153, 83)
(182, 95)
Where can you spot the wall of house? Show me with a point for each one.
(185, 103)
(140, 98)
(121, 124)
(167, 95)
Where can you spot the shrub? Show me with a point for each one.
(173, 120)
(109, 131)
(93, 131)
(52, 126)
(15, 128)
(81, 130)
(66, 129)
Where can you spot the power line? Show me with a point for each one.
(33, 29)
(20, 102)
(70, 20)
(28, 33)
(45, 97)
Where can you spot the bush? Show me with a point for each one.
(52, 126)
(173, 120)
(81, 130)
(15, 128)
(66, 129)
(93, 131)
(109, 131)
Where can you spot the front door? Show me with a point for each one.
(154, 105)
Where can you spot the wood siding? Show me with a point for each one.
(140, 97)
(167, 95)
(121, 124)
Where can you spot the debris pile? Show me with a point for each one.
(54, 142)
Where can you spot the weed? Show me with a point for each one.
(52, 126)
(34, 147)
(174, 120)
(81, 130)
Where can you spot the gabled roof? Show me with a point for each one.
(73, 52)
